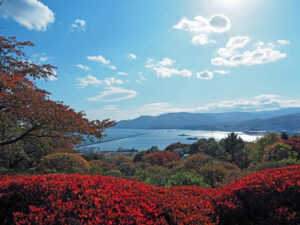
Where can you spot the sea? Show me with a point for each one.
(142, 139)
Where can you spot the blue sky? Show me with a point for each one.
(120, 59)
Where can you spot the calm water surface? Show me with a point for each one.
(142, 139)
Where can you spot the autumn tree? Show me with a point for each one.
(27, 111)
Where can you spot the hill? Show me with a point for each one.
(290, 122)
(282, 120)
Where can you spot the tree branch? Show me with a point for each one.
(19, 138)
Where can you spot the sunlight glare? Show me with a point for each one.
(230, 3)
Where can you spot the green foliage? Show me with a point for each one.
(127, 169)
(91, 155)
(113, 173)
(120, 159)
(233, 146)
(176, 145)
(96, 170)
(25, 154)
(217, 175)
(186, 179)
(256, 153)
(67, 163)
(275, 164)
(284, 136)
(214, 149)
(197, 161)
(279, 151)
(157, 176)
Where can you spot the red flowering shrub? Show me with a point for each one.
(268, 197)
(160, 158)
(83, 199)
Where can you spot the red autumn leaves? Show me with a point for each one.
(268, 197)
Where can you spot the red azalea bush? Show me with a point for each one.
(268, 197)
(83, 199)
(160, 158)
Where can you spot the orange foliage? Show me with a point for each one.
(22, 103)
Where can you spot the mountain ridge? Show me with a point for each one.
(282, 118)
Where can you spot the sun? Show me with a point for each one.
(229, 2)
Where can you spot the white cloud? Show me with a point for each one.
(86, 68)
(217, 23)
(166, 62)
(111, 80)
(231, 56)
(112, 94)
(115, 113)
(283, 42)
(202, 27)
(233, 45)
(100, 59)
(257, 103)
(202, 39)
(32, 14)
(91, 80)
(88, 80)
(163, 69)
(237, 42)
(222, 72)
(205, 75)
(122, 73)
(53, 78)
(78, 25)
(132, 56)
(112, 67)
(142, 78)
(43, 58)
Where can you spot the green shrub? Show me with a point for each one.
(186, 179)
(113, 173)
(127, 169)
(67, 163)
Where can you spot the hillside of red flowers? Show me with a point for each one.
(268, 197)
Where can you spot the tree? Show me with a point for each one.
(174, 146)
(257, 152)
(284, 136)
(28, 112)
(233, 146)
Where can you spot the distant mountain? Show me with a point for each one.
(290, 122)
(225, 121)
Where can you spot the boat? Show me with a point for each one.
(183, 135)
(192, 138)
(127, 150)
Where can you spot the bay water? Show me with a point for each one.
(142, 139)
